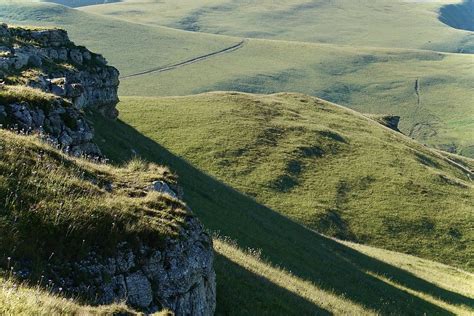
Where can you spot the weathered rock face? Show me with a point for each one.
(47, 60)
(59, 123)
(60, 67)
(180, 276)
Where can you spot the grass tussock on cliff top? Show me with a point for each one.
(11, 94)
(54, 207)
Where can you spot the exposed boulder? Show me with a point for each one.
(390, 121)
(163, 187)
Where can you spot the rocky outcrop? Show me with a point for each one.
(390, 121)
(58, 122)
(59, 67)
(180, 276)
(46, 60)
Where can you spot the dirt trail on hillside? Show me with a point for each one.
(189, 61)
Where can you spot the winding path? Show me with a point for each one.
(189, 61)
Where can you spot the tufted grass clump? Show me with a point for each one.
(11, 94)
(19, 299)
(56, 208)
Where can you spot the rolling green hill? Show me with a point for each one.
(382, 23)
(326, 167)
(431, 91)
(265, 263)
(326, 276)
(438, 113)
(275, 177)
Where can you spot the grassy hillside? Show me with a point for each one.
(54, 206)
(326, 167)
(130, 47)
(382, 23)
(344, 278)
(366, 79)
(253, 264)
(23, 300)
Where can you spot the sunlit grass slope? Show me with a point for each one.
(53, 206)
(381, 23)
(368, 80)
(322, 165)
(128, 46)
(230, 255)
(326, 276)
(23, 300)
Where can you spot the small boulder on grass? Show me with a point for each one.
(163, 187)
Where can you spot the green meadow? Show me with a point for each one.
(277, 266)
(381, 23)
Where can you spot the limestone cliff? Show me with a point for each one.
(46, 60)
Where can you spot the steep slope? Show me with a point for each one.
(382, 23)
(324, 166)
(326, 276)
(100, 200)
(152, 252)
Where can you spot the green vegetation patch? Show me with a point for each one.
(54, 207)
(20, 299)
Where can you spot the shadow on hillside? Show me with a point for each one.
(266, 297)
(458, 15)
(325, 262)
